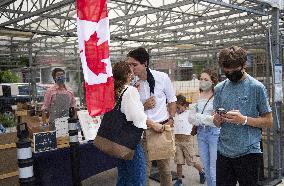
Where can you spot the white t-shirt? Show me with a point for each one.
(132, 107)
(164, 93)
(181, 123)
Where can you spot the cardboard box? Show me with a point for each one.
(8, 159)
(34, 124)
(22, 112)
(22, 106)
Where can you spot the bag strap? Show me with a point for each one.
(212, 96)
(206, 104)
(118, 104)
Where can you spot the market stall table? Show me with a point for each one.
(54, 167)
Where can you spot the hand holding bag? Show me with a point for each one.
(116, 136)
(193, 130)
(160, 145)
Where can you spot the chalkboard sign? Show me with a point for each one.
(45, 141)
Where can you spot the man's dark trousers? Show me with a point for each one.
(243, 170)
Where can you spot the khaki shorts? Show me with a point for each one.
(185, 150)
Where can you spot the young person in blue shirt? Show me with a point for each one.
(246, 104)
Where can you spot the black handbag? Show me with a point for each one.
(116, 136)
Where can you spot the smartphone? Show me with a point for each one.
(221, 111)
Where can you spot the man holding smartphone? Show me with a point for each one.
(245, 110)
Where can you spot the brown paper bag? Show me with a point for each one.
(160, 145)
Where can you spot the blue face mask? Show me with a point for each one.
(60, 80)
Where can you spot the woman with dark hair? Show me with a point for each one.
(207, 132)
(131, 172)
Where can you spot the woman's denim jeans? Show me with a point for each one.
(207, 138)
(132, 172)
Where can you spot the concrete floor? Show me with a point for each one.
(108, 178)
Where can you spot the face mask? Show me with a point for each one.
(60, 80)
(235, 76)
(205, 85)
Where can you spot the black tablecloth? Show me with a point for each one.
(54, 167)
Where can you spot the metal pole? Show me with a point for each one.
(32, 82)
(79, 79)
(78, 64)
(275, 47)
(268, 83)
(281, 112)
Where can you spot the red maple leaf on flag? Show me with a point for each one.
(94, 54)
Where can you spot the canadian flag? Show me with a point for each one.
(94, 36)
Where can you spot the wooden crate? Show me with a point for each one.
(10, 181)
(22, 112)
(33, 124)
(8, 159)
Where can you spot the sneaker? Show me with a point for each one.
(178, 182)
(202, 177)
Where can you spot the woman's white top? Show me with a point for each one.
(205, 119)
(133, 108)
(181, 123)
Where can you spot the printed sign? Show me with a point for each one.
(44, 141)
(89, 124)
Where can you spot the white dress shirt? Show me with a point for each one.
(181, 123)
(132, 107)
(164, 93)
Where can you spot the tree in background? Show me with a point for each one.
(8, 76)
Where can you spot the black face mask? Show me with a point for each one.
(235, 76)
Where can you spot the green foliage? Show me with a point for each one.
(7, 120)
(8, 76)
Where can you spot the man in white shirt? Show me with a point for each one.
(159, 100)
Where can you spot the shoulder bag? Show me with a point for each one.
(116, 136)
